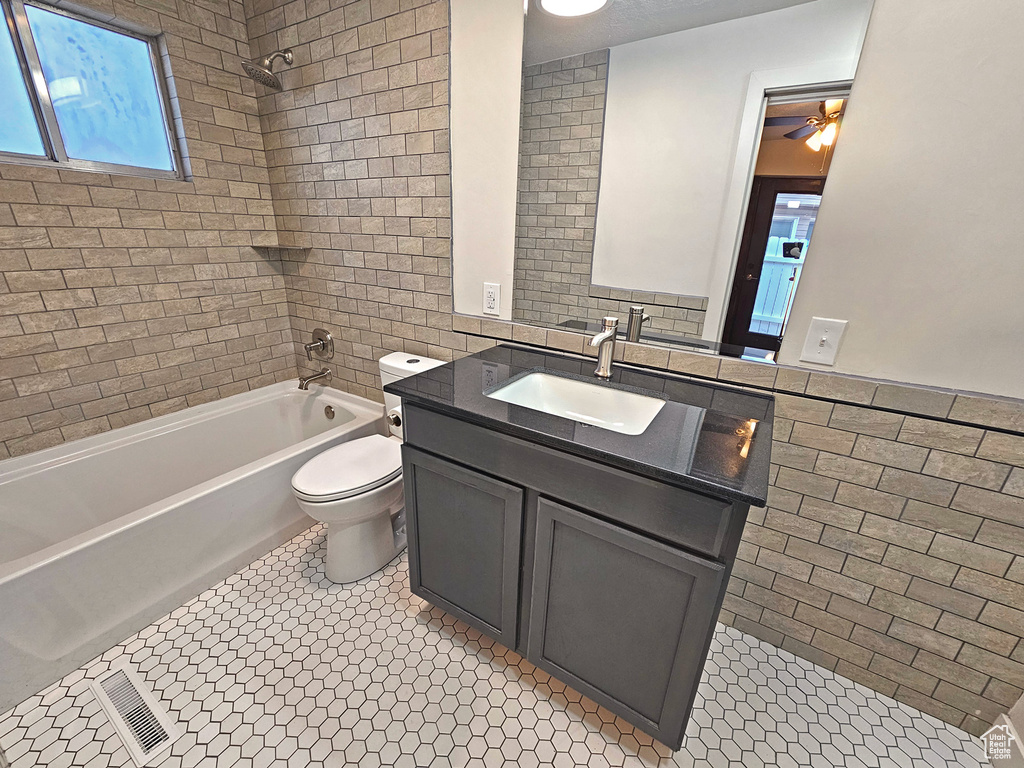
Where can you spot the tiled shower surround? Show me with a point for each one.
(277, 666)
(561, 132)
(891, 549)
(358, 152)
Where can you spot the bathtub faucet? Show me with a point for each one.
(304, 381)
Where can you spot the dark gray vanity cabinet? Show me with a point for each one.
(608, 580)
(620, 617)
(464, 542)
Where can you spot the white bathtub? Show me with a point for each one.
(100, 537)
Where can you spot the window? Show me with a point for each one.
(82, 95)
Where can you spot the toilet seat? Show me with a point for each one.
(350, 469)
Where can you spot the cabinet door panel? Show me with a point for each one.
(623, 618)
(464, 542)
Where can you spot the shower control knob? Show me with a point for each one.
(394, 419)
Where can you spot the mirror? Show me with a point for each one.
(639, 136)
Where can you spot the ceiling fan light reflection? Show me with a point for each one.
(828, 134)
(815, 141)
(572, 7)
(833, 105)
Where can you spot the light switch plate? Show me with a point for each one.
(492, 298)
(823, 339)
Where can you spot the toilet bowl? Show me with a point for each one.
(356, 489)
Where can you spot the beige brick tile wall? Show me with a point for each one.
(865, 562)
(123, 298)
(561, 130)
(358, 156)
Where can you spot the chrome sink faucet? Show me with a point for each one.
(305, 381)
(605, 342)
(637, 317)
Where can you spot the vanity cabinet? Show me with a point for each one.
(608, 580)
(620, 617)
(465, 529)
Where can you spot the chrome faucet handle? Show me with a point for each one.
(317, 345)
(322, 344)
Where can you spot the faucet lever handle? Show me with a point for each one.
(322, 344)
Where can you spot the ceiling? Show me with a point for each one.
(626, 21)
(800, 109)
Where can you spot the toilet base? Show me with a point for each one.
(360, 530)
(359, 550)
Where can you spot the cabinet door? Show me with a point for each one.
(622, 618)
(464, 542)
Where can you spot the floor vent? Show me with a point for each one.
(145, 728)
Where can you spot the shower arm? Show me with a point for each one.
(266, 61)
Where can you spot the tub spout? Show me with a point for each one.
(304, 381)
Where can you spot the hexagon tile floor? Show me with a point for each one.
(275, 666)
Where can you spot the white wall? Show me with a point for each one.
(668, 211)
(918, 240)
(791, 158)
(486, 86)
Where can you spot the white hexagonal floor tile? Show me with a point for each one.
(276, 665)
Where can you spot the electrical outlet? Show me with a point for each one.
(488, 375)
(823, 338)
(492, 298)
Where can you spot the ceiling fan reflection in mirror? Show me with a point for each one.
(819, 130)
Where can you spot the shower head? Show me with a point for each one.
(262, 71)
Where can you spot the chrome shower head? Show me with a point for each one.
(262, 71)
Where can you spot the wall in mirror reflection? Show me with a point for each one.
(629, 158)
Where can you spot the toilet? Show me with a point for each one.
(356, 488)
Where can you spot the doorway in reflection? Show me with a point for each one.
(797, 142)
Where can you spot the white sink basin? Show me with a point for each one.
(614, 409)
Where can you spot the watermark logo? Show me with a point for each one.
(997, 742)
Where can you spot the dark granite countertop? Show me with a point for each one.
(713, 438)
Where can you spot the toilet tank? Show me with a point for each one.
(399, 365)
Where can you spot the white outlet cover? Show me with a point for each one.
(492, 298)
(823, 339)
(488, 375)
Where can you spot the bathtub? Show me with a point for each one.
(104, 535)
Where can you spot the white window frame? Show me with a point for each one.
(16, 20)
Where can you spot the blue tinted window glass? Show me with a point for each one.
(19, 131)
(103, 90)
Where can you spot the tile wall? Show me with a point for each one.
(123, 298)
(358, 153)
(892, 552)
(561, 132)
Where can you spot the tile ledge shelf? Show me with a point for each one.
(1003, 414)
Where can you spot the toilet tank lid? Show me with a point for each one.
(402, 364)
(364, 463)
